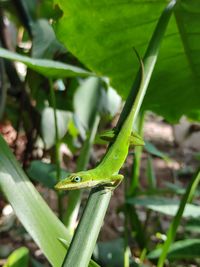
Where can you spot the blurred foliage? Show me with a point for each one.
(109, 35)
(90, 61)
(18, 258)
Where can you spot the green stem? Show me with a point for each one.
(3, 93)
(142, 257)
(24, 15)
(126, 239)
(137, 159)
(57, 146)
(136, 226)
(149, 61)
(89, 226)
(176, 221)
(74, 197)
(151, 177)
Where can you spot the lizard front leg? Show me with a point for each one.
(114, 181)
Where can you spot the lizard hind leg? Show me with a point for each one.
(136, 140)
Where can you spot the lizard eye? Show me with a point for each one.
(77, 179)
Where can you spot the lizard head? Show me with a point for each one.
(76, 181)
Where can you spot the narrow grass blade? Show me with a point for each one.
(46, 67)
(134, 184)
(3, 91)
(74, 197)
(176, 221)
(41, 223)
(32, 211)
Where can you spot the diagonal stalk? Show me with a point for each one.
(57, 146)
(83, 242)
(3, 92)
(176, 221)
(74, 197)
(137, 159)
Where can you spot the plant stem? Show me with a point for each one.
(89, 226)
(149, 61)
(24, 15)
(151, 177)
(57, 146)
(126, 239)
(137, 226)
(74, 197)
(85, 237)
(176, 220)
(137, 158)
(3, 93)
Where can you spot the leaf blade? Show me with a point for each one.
(46, 67)
(30, 208)
(110, 34)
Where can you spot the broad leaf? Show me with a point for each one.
(45, 173)
(86, 100)
(110, 102)
(40, 171)
(45, 44)
(150, 148)
(35, 263)
(183, 249)
(110, 253)
(103, 34)
(46, 67)
(18, 258)
(175, 188)
(91, 98)
(48, 125)
(193, 225)
(165, 205)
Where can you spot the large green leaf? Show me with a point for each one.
(46, 67)
(104, 32)
(31, 209)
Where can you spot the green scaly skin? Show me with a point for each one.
(106, 173)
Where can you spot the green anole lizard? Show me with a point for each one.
(106, 173)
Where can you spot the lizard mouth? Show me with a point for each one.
(73, 186)
(62, 187)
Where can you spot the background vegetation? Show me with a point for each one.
(78, 68)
